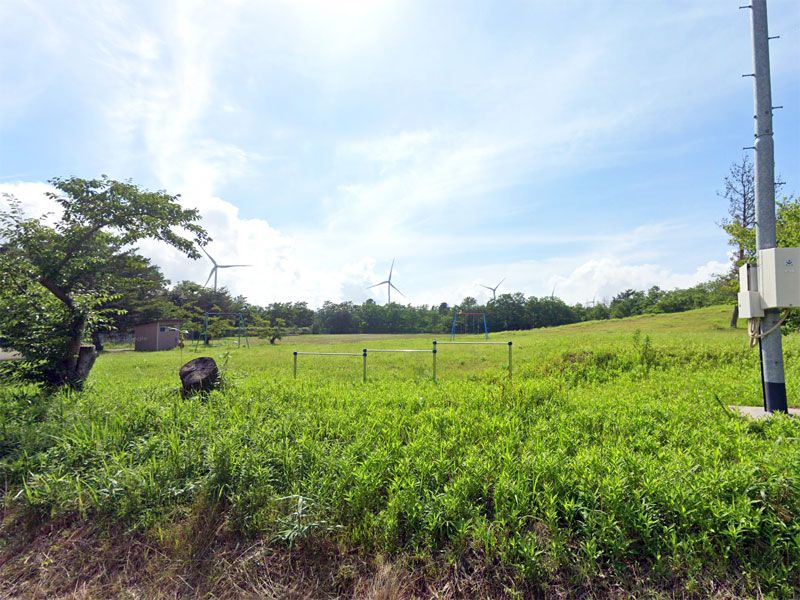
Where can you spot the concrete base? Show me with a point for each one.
(758, 412)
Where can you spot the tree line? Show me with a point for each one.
(190, 302)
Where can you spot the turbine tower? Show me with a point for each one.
(216, 267)
(389, 285)
(494, 289)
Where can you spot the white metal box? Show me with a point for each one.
(748, 298)
(779, 277)
(750, 305)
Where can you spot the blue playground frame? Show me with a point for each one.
(466, 314)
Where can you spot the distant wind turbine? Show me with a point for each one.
(389, 285)
(216, 267)
(494, 289)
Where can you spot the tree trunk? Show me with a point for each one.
(86, 357)
(98, 345)
(735, 316)
(199, 375)
(74, 368)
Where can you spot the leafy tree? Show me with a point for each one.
(58, 277)
(627, 303)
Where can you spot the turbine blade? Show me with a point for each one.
(398, 291)
(227, 266)
(390, 270)
(214, 268)
(377, 284)
(486, 286)
(209, 256)
(501, 281)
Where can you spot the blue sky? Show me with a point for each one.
(574, 145)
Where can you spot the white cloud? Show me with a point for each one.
(32, 197)
(605, 277)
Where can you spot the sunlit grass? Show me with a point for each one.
(610, 453)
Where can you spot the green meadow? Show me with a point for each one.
(608, 466)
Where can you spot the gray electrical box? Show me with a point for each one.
(779, 277)
(748, 298)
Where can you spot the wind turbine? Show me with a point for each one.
(215, 267)
(389, 285)
(494, 289)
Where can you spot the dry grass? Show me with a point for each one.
(74, 560)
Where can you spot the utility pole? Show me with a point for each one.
(771, 345)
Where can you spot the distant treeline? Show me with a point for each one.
(190, 302)
(511, 311)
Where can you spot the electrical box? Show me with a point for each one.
(748, 298)
(779, 277)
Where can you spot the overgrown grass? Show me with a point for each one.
(610, 458)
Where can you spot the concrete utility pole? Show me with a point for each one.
(771, 345)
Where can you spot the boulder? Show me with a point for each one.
(199, 375)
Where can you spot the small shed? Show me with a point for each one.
(157, 335)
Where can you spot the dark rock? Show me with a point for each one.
(199, 375)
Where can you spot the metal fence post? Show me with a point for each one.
(295, 364)
(365, 365)
(434, 360)
(509, 360)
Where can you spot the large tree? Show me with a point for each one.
(56, 278)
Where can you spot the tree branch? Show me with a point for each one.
(57, 292)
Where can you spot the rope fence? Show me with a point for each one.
(436, 343)
(365, 351)
(362, 354)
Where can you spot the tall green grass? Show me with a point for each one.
(610, 456)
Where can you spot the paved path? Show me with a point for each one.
(9, 355)
(758, 412)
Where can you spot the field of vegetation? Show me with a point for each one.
(608, 466)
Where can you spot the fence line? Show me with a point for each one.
(392, 350)
(435, 343)
(477, 343)
(364, 352)
(384, 350)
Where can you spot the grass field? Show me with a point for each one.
(609, 466)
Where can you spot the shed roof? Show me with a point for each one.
(158, 321)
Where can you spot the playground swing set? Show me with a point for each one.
(241, 328)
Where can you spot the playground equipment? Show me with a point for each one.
(468, 314)
(241, 328)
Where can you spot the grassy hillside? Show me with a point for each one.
(607, 466)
